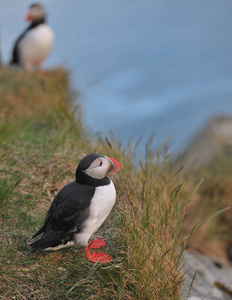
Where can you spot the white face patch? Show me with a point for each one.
(98, 168)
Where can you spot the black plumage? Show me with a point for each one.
(70, 208)
(60, 225)
(15, 60)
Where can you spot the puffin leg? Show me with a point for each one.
(40, 69)
(28, 69)
(96, 244)
(99, 257)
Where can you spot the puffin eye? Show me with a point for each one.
(100, 164)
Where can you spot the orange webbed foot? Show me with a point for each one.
(99, 257)
(96, 244)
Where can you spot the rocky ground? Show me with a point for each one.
(212, 281)
(208, 144)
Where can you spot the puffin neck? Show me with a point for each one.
(36, 23)
(83, 178)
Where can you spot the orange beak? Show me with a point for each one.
(114, 165)
(28, 17)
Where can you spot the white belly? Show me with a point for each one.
(36, 45)
(100, 207)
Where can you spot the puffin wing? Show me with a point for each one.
(71, 213)
(69, 209)
(15, 53)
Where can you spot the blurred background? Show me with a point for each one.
(146, 66)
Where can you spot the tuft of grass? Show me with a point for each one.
(42, 143)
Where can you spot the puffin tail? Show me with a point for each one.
(50, 240)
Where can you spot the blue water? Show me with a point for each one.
(146, 66)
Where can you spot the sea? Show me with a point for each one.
(160, 68)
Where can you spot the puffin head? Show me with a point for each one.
(35, 13)
(95, 167)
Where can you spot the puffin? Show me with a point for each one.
(35, 43)
(80, 208)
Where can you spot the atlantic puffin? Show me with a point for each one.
(35, 43)
(80, 208)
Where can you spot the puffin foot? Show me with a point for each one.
(99, 257)
(96, 244)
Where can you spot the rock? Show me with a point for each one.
(208, 144)
(211, 282)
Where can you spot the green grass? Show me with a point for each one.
(42, 143)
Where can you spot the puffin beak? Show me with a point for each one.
(27, 17)
(114, 165)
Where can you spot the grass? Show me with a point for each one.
(43, 139)
(42, 143)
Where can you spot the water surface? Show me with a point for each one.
(147, 66)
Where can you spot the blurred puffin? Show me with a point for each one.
(80, 208)
(35, 43)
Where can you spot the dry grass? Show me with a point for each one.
(19, 99)
(42, 144)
